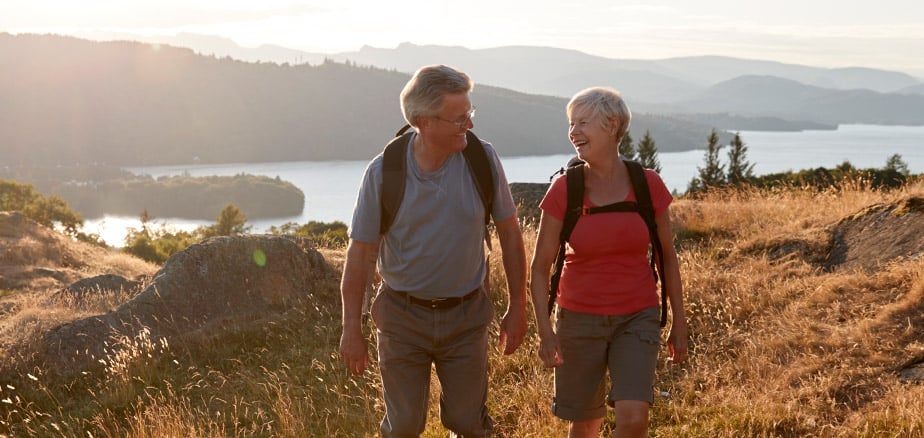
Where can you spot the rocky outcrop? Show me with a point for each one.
(527, 197)
(79, 291)
(878, 235)
(221, 281)
(34, 257)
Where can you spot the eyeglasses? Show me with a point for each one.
(461, 122)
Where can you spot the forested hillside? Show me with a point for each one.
(71, 101)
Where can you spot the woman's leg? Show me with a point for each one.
(585, 429)
(631, 418)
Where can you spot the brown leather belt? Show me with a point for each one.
(436, 303)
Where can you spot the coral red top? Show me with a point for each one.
(607, 270)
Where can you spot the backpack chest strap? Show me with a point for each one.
(616, 207)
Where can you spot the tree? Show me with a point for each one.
(156, 245)
(231, 222)
(713, 174)
(896, 164)
(648, 153)
(45, 210)
(739, 170)
(626, 150)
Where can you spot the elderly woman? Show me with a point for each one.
(608, 308)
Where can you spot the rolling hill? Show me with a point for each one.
(768, 95)
(68, 100)
(663, 86)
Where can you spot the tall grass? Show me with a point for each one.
(780, 346)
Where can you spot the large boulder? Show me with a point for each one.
(878, 235)
(221, 281)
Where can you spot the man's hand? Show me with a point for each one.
(354, 351)
(512, 329)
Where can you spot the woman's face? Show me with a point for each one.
(591, 138)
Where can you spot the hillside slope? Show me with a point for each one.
(767, 95)
(33, 257)
(68, 101)
(806, 311)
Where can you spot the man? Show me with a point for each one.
(432, 308)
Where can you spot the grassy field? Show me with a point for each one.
(780, 346)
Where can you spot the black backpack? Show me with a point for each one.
(394, 173)
(575, 209)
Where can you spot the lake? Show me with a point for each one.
(330, 186)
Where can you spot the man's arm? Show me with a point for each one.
(513, 326)
(544, 254)
(354, 349)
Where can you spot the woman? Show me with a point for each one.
(608, 314)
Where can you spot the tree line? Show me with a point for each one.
(738, 172)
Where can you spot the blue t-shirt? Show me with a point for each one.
(435, 247)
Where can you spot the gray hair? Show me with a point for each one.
(423, 94)
(606, 103)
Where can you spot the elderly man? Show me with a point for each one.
(432, 308)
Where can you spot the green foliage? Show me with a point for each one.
(626, 149)
(895, 163)
(713, 173)
(231, 222)
(842, 176)
(895, 173)
(648, 153)
(156, 245)
(183, 196)
(46, 210)
(332, 234)
(739, 170)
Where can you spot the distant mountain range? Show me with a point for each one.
(703, 88)
(66, 100)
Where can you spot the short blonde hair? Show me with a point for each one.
(606, 103)
(423, 94)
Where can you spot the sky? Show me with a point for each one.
(886, 34)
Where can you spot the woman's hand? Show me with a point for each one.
(550, 351)
(677, 342)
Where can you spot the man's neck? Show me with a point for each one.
(428, 158)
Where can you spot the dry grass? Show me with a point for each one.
(780, 347)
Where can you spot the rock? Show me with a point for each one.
(223, 280)
(78, 292)
(878, 235)
(913, 373)
(527, 197)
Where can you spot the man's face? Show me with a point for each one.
(446, 129)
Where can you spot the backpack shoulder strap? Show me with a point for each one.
(646, 210)
(478, 163)
(574, 175)
(641, 190)
(394, 163)
(575, 184)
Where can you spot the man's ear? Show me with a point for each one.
(421, 122)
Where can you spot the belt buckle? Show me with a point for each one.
(436, 302)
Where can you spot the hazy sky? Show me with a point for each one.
(883, 34)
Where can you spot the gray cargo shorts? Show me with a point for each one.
(625, 345)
